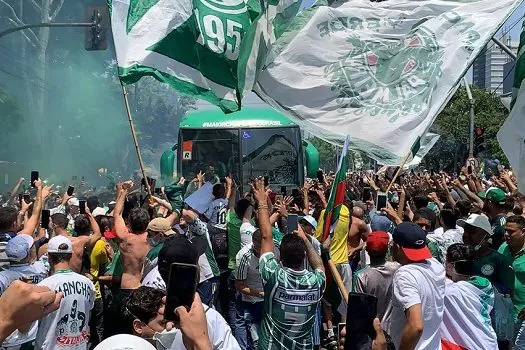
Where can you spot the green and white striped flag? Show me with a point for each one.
(192, 45)
(511, 136)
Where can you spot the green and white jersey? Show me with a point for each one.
(207, 263)
(290, 302)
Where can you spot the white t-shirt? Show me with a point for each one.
(247, 269)
(67, 328)
(35, 272)
(219, 332)
(216, 213)
(419, 283)
(466, 320)
(246, 230)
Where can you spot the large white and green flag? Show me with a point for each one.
(194, 45)
(379, 72)
(511, 136)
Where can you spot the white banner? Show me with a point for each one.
(379, 72)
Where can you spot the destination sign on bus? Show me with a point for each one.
(241, 123)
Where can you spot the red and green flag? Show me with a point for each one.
(337, 194)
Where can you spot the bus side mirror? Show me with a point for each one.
(167, 165)
(312, 161)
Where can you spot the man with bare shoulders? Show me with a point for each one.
(84, 226)
(133, 250)
(357, 234)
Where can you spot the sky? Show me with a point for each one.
(514, 21)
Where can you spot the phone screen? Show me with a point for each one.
(46, 214)
(320, 176)
(34, 177)
(367, 194)
(266, 181)
(283, 190)
(182, 285)
(292, 222)
(82, 207)
(361, 311)
(157, 190)
(381, 201)
(70, 190)
(27, 198)
(469, 169)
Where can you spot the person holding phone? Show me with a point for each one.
(180, 250)
(291, 294)
(419, 289)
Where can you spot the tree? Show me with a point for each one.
(10, 112)
(453, 124)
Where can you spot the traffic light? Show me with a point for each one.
(479, 140)
(96, 36)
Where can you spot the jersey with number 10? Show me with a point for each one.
(290, 303)
(216, 213)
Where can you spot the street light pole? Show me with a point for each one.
(472, 103)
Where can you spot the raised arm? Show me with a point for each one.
(120, 226)
(471, 196)
(261, 197)
(306, 199)
(94, 228)
(31, 224)
(314, 259)
(229, 184)
(15, 189)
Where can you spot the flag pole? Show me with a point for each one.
(134, 135)
(398, 172)
(338, 280)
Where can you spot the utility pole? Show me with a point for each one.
(472, 117)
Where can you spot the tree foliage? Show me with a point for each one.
(11, 113)
(453, 124)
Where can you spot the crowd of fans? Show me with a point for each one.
(444, 258)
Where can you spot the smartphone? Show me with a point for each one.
(182, 286)
(320, 176)
(279, 198)
(367, 194)
(70, 190)
(157, 190)
(381, 200)
(292, 222)
(266, 181)
(82, 207)
(34, 177)
(46, 214)
(27, 198)
(361, 311)
(469, 169)
(283, 190)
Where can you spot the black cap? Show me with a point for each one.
(412, 240)
(179, 249)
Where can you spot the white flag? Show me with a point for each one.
(511, 136)
(379, 72)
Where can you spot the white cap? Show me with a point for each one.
(73, 202)
(309, 219)
(479, 221)
(124, 341)
(18, 247)
(99, 211)
(60, 244)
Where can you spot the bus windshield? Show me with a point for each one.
(272, 152)
(214, 152)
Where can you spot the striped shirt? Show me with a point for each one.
(4, 238)
(290, 303)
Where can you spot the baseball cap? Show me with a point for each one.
(60, 244)
(124, 341)
(73, 202)
(160, 225)
(377, 243)
(99, 211)
(380, 223)
(412, 240)
(476, 220)
(18, 247)
(496, 195)
(309, 219)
